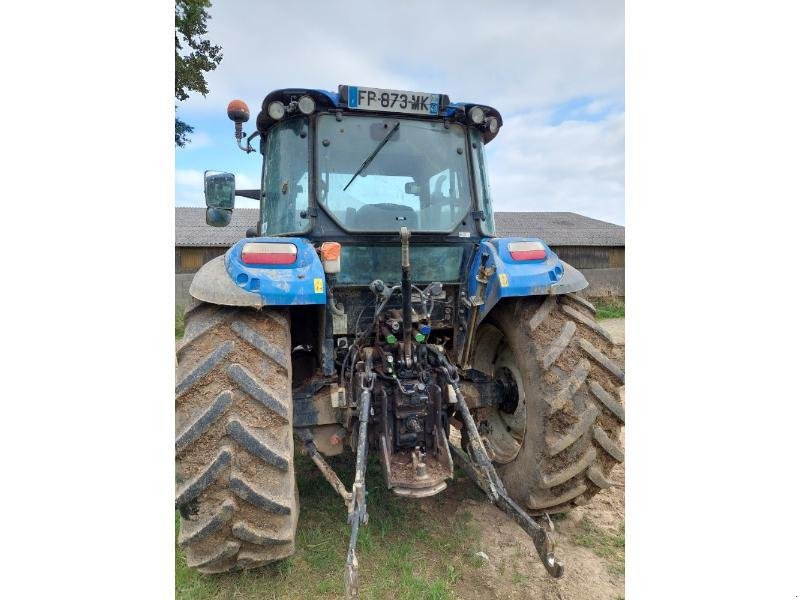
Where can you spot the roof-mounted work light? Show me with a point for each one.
(306, 105)
(477, 115)
(276, 110)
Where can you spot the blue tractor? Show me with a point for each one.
(372, 309)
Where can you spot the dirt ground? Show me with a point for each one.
(514, 570)
(616, 327)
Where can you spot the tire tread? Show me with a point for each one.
(577, 396)
(234, 443)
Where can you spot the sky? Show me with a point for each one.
(554, 70)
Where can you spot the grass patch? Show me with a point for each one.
(609, 308)
(519, 578)
(180, 322)
(410, 549)
(610, 546)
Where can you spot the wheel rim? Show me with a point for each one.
(505, 427)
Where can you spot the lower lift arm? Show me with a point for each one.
(358, 503)
(486, 477)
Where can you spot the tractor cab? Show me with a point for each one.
(367, 161)
(354, 166)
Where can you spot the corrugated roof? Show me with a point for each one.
(559, 228)
(555, 228)
(191, 228)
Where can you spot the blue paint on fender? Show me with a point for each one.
(513, 278)
(302, 282)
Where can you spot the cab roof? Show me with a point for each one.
(327, 100)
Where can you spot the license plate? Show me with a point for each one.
(396, 101)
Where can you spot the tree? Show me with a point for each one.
(194, 56)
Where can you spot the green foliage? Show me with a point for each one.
(182, 131)
(179, 322)
(609, 308)
(195, 56)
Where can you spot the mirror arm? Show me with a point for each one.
(253, 194)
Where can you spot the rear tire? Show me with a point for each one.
(234, 470)
(559, 446)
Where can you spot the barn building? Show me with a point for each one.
(594, 247)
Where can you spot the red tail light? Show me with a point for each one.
(527, 250)
(268, 253)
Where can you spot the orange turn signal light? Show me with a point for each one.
(330, 250)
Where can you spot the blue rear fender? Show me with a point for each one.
(513, 278)
(302, 282)
(227, 281)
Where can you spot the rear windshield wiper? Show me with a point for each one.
(372, 155)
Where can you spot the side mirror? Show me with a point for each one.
(220, 192)
(217, 217)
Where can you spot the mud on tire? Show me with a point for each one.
(234, 469)
(570, 378)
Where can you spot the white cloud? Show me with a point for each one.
(524, 58)
(597, 106)
(245, 182)
(199, 139)
(515, 55)
(189, 178)
(575, 166)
